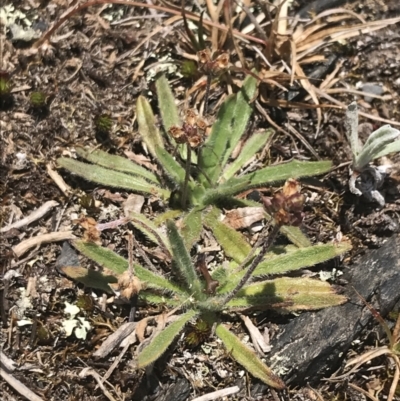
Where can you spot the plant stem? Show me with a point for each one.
(187, 176)
(264, 249)
(208, 84)
(259, 241)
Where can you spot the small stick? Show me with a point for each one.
(35, 215)
(19, 387)
(217, 394)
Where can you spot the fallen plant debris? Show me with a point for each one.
(274, 80)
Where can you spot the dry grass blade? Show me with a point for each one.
(395, 381)
(338, 33)
(306, 84)
(344, 107)
(364, 392)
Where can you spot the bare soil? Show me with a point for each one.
(96, 65)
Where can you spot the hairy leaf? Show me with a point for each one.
(296, 236)
(247, 358)
(215, 148)
(251, 147)
(112, 178)
(147, 126)
(234, 244)
(174, 171)
(114, 162)
(291, 294)
(242, 113)
(351, 124)
(300, 258)
(294, 169)
(375, 145)
(159, 300)
(293, 259)
(191, 227)
(166, 103)
(390, 148)
(168, 110)
(89, 278)
(163, 340)
(109, 259)
(148, 228)
(182, 260)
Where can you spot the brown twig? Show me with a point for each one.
(35, 215)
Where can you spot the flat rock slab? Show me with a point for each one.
(313, 345)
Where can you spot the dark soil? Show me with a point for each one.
(96, 65)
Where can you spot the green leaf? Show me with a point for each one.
(160, 300)
(168, 215)
(291, 294)
(89, 278)
(166, 103)
(252, 146)
(390, 148)
(293, 259)
(234, 244)
(300, 258)
(149, 229)
(296, 236)
(114, 162)
(212, 153)
(247, 358)
(281, 172)
(242, 113)
(174, 171)
(109, 259)
(147, 126)
(112, 178)
(182, 261)
(267, 175)
(226, 132)
(192, 227)
(163, 340)
(168, 110)
(375, 146)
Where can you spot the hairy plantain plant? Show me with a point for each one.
(206, 296)
(192, 181)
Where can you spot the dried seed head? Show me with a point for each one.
(286, 207)
(191, 117)
(177, 133)
(192, 130)
(211, 66)
(129, 285)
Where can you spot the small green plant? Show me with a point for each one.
(40, 102)
(365, 179)
(228, 288)
(103, 123)
(38, 99)
(6, 98)
(202, 179)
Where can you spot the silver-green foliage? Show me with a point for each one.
(187, 291)
(366, 179)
